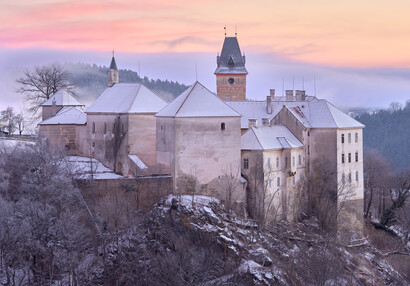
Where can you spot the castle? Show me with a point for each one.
(269, 148)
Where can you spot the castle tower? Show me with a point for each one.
(231, 72)
(113, 75)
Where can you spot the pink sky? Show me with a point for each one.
(358, 50)
(346, 33)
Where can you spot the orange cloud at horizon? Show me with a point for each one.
(365, 34)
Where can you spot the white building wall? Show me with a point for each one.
(350, 146)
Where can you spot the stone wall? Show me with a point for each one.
(61, 139)
(115, 201)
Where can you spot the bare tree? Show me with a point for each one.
(10, 118)
(41, 83)
(376, 176)
(229, 181)
(20, 122)
(119, 135)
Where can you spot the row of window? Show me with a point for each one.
(349, 157)
(278, 182)
(349, 177)
(349, 138)
(246, 162)
(105, 128)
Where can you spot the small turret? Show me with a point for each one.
(113, 75)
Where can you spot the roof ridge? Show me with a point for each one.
(260, 144)
(183, 102)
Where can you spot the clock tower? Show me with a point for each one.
(231, 72)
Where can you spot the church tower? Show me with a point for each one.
(231, 72)
(113, 75)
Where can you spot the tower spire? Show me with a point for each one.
(113, 75)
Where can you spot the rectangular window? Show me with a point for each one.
(357, 176)
(343, 158)
(350, 177)
(349, 138)
(277, 162)
(308, 149)
(343, 138)
(286, 162)
(293, 161)
(356, 157)
(300, 160)
(223, 126)
(350, 158)
(343, 178)
(278, 182)
(93, 128)
(356, 137)
(269, 166)
(294, 179)
(246, 163)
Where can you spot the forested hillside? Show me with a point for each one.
(91, 80)
(389, 132)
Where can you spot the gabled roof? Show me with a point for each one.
(63, 98)
(312, 113)
(127, 98)
(197, 101)
(274, 137)
(67, 115)
(231, 60)
(113, 65)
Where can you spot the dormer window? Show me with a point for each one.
(231, 62)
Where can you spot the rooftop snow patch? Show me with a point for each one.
(312, 113)
(138, 162)
(274, 137)
(67, 115)
(127, 98)
(62, 98)
(197, 101)
(90, 167)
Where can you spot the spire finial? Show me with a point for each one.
(225, 30)
(112, 53)
(235, 31)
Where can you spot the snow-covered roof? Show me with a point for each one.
(63, 98)
(67, 115)
(312, 113)
(197, 101)
(274, 137)
(127, 98)
(137, 161)
(90, 167)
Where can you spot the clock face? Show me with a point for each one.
(231, 80)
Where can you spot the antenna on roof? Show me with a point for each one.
(196, 72)
(303, 83)
(283, 86)
(293, 79)
(225, 30)
(235, 31)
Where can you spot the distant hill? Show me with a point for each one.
(389, 132)
(91, 81)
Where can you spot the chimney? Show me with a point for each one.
(272, 93)
(303, 95)
(298, 95)
(252, 123)
(53, 108)
(265, 122)
(289, 95)
(269, 104)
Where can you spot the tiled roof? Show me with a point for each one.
(63, 98)
(274, 137)
(197, 101)
(127, 98)
(113, 65)
(67, 115)
(312, 113)
(231, 60)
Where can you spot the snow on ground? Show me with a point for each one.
(13, 143)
